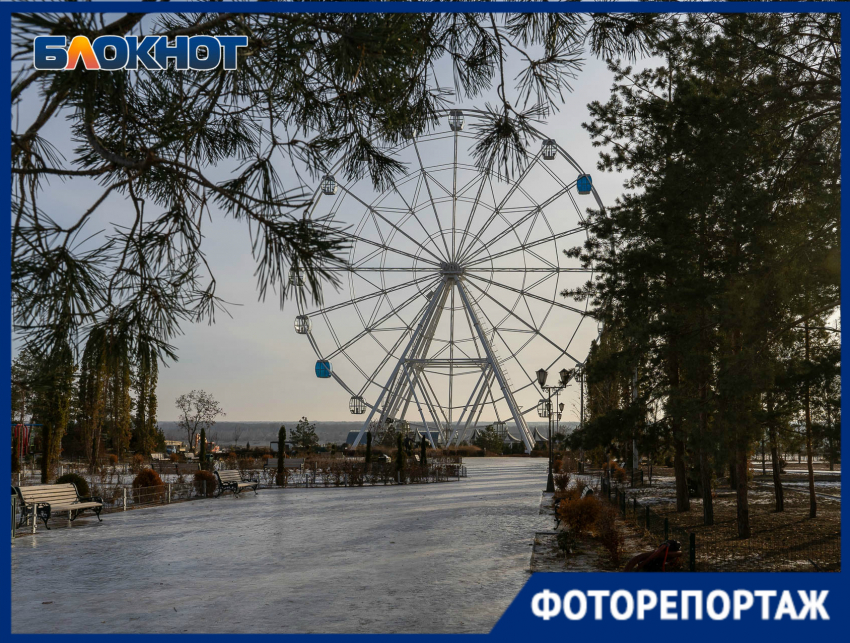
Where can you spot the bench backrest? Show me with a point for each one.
(288, 463)
(229, 476)
(50, 493)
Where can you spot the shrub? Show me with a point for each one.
(174, 457)
(200, 478)
(609, 535)
(562, 481)
(144, 480)
(556, 466)
(579, 513)
(147, 478)
(77, 480)
(618, 474)
(138, 462)
(566, 541)
(113, 459)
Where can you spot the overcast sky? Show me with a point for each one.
(254, 363)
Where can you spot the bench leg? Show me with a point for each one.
(97, 513)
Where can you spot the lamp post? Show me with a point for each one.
(544, 409)
(580, 379)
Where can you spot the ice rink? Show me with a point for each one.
(445, 557)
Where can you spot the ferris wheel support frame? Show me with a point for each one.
(409, 374)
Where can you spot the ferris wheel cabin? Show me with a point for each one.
(324, 369)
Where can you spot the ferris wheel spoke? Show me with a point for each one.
(357, 300)
(525, 293)
(553, 270)
(558, 179)
(535, 211)
(368, 330)
(431, 198)
(533, 329)
(371, 379)
(411, 210)
(525, 246)
(388, 269)
(454, 208)
(486, 181)
(514, 187)
(388, 248)
(393, 225)
(472, 211)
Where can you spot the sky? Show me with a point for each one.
(254, 363)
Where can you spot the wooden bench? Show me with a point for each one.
(288, 463)
(49, 499)
(232, 481)
(177, 468)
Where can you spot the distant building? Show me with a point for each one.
(174, 446)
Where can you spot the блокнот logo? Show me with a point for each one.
(111, 53)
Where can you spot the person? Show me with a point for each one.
(668, 554)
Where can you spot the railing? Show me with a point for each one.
(352, 474)
(783, 549)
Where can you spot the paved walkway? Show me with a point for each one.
(444, 557)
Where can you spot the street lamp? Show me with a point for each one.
(541, 377)
(546, 405)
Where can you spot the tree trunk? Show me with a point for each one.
(742, 498)
(813, 502)
(704, 464)
(45, 454)
(705, 483)
(683, 500)
(733, 470)
(763, 459)
(775, 457)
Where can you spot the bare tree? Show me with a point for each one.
(237, 433)
(198, 410)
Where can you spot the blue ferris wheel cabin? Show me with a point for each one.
(323, 369)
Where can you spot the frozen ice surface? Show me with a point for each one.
(445, 557)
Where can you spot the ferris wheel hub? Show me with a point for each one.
(451, 269)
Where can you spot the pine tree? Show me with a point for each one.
(53, 386)
(144, 385)
(203, 449)
(304, 435)
(281, 454)
(310, 89)
(728, 237)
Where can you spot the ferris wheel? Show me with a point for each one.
(451, 296)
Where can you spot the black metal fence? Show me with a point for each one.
(714, 550)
